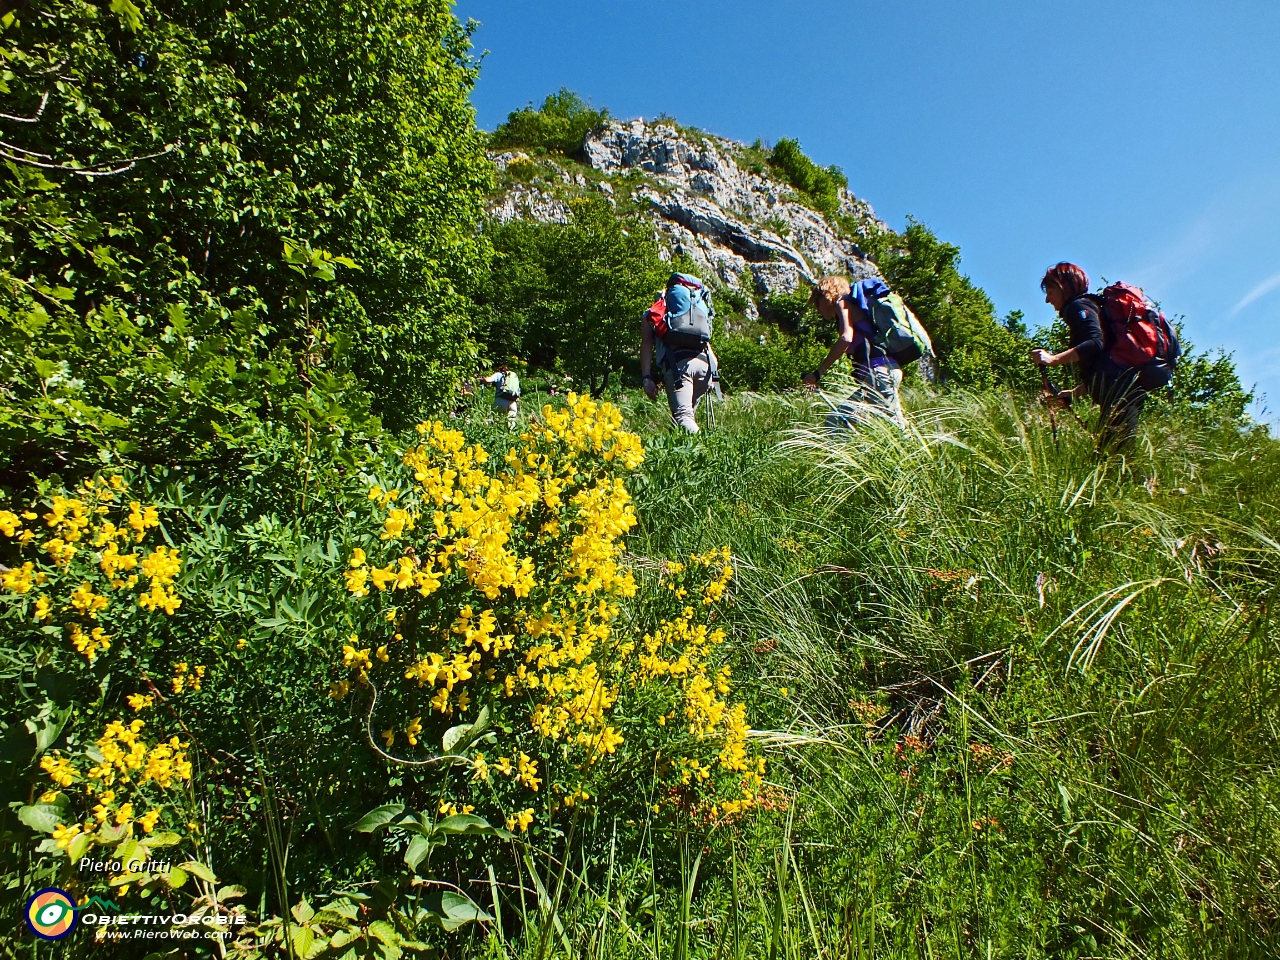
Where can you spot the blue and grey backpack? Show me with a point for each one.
(686, 322)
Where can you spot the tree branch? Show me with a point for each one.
(44, 102)
(91, 170)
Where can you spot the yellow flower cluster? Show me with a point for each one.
(161, 567)
(680, 652)
(496, 581)
(117, 781)
(521, 820)
(89, 643)
(86, 558)
(186, 677)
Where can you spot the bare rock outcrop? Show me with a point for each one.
(748, 231)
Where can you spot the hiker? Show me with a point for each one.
(680, 323)
(879, 334)
(1122, 344)
(507, 396)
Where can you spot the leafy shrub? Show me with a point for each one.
(570, 296)
(819, 186)
(1208, 382)
(776, 364)
(443, 642)
(560, 125)
(149, 311)
(793, 313)
(974, 348)
(494, 595)
(82, 589)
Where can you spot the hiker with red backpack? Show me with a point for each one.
(676, 332)
(1123, 345)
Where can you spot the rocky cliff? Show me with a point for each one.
(706, 199)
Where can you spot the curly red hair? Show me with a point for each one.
(1068, 278)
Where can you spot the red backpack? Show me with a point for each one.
(1135, 333)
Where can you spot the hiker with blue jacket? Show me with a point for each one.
(1122, 345)
(878, 333)
(676, 334)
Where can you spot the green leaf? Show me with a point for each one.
(79, 847)
(385, 932)
(457, 906)
(48, 729)
(342, 938)
(112, 833)
(378, 817)
(470, 824)
(342, 909)
(199, 870)
(128, 13)
(457, 739)
(302, 938)
(166, 839)
(302, 913)
(419, 847)
(129, 851)
(294, 254)
(175, 878)
(44, 816)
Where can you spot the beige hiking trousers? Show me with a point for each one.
(686, 381)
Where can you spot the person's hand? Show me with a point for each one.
(810, 379)
(650, 388)
(1041, 358)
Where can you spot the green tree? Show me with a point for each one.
(571, 294)
(560, 125)
(819, 186)
(152, 186)
(973, 347)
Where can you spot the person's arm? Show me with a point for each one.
(1046, 359)
(844, 324)
(1086, 331)
(646, 359)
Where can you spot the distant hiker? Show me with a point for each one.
(507, 398)
(676, 331)
(1123, 345)
(878, 333)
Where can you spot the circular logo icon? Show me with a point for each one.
(51, 914)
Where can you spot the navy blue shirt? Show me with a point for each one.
(1082, 320)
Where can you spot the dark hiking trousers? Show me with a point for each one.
(1120, 399)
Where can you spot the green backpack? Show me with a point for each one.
(898, 332)
(509, 386)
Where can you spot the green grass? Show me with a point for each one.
(1018, 701)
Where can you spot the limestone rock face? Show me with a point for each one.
(740, 220)
(744, 230)
(531, 203)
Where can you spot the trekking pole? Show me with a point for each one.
(827, 400)
(1054, 387)
(1050, 395)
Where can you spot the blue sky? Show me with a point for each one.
(1140, 140)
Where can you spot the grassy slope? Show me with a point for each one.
(1024, 703)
